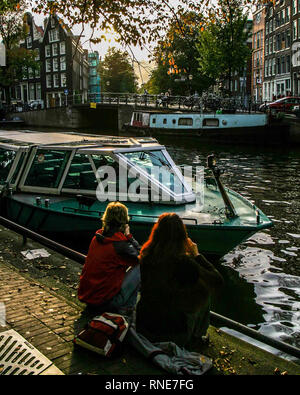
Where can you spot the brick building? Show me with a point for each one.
(258, 44)
(64, 67)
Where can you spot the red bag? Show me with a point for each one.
(103, 334)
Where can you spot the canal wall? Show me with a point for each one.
(103, 117)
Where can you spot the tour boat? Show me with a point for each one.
(58, 184)
(205, 125)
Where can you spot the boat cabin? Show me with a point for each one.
(106, 167)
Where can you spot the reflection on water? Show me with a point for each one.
(262, 274)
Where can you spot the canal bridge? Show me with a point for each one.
(110, 111)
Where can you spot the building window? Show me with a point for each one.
(38, 91)
(53, 35)
(282, 64)
(288, 64)
(30, 73)
(29, 42)
(62, 45)
(54, 49)
(37, 72)
(47, 51)
(62, 63)
(63, 80)
(287, 14)
(293, 7)
(294, 30)
(37, 54)
(48, 65)
(31, 92)
(49, 81)
(55, 64)
(52, 22)
(56, 80)
(24, 73)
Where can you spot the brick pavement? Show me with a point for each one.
(49, 322)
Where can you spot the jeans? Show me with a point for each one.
(125, 299)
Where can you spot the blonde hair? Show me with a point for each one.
(115, 216)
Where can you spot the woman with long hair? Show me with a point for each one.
(110, 277)
(176, 285)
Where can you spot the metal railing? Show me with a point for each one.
(161, 101)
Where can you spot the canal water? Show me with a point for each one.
(262, 275)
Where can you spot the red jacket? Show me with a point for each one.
(105, 266)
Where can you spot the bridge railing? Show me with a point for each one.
(161, 101)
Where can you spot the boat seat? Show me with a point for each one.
(87, 180)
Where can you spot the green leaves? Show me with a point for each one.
(117, 73)
(222, 45)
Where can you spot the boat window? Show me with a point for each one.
(106, 160)
(211, 122)
(153, 120)
(185, 121)
(47, 168)
(174, 121)
(6, 160)
(158, 167)
(80, 174)
(165, 121)
(17, 169)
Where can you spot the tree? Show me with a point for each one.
(222, 45)
(117, 73)
(176, 58)
(9, 5)
(13, 28)
(137, 22)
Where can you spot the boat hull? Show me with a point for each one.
(76, 230)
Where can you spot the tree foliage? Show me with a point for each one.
(117, 73)
(222, 45)
(137, 22)
(176, 57)
(9, 5)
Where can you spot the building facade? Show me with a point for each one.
(279, 38)
(258, 44)
(63, 74)
(94, 77)
(295, 50)
(31, 86)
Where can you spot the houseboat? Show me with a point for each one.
(58, 184)
(210, 125)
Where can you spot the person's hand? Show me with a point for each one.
(127, 230)
(193, 248)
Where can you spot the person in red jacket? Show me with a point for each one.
(110, 277)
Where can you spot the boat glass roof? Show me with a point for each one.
(27, 138)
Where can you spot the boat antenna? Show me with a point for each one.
(229, 208)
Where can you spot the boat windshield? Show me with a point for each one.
(7, 158)
(158, 167)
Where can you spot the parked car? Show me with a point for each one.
(37, 104)
(285, 104)
(296, 111)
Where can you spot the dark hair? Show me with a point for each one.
(168, 239)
